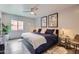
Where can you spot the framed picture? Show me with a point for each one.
(53, 20)
(44, 21)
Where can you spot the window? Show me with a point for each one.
(16, 25)
(20, 25)
(13, 25)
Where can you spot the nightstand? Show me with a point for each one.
(65, 42)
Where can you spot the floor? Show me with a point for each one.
(15, 47)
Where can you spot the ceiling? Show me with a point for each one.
(43, 9)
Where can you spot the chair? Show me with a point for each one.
(75, 43)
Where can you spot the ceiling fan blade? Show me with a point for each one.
(32, 10)
(27, 11)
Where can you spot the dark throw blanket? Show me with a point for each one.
(51, 40)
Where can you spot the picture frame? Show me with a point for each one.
(44, 21)
(53, 20)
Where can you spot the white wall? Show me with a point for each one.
(68, 19)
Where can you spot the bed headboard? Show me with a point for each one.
(57, 32)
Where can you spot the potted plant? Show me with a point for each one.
(5, 29)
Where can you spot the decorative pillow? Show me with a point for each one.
(49, 31)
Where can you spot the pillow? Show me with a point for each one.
(49, 31)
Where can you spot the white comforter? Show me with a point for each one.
(35, 39)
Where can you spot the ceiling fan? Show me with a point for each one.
(32, 11)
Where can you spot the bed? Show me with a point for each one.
(39, 42)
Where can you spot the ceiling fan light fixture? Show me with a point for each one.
(32, 13)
